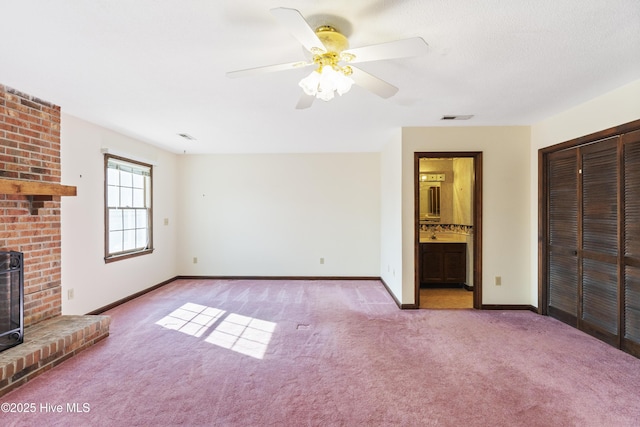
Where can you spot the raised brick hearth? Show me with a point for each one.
(47, 344)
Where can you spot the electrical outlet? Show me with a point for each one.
(498, 280)
(195, 259)
(321, 260)
(70, 294)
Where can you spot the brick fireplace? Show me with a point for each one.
(30, 150)
(30, 223)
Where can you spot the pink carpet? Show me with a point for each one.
(328, 353)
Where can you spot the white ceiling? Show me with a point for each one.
(152, 69)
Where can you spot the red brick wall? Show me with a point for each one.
(30, 150)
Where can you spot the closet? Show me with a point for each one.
(590, 235)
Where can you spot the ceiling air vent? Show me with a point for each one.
(186, 136)
(458, 117)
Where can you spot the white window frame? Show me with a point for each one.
(128, 208)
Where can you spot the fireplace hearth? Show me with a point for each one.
(11, 299)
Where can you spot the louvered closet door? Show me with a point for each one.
(631, 297)
(563, 236)
(598, 256)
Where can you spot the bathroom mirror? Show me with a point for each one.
(430, 196)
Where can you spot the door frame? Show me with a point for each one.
(477, 218)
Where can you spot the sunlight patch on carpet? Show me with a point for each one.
(191, 319)
(242, 334)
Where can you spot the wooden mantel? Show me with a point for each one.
(35, 188)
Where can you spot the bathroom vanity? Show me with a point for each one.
(442, 263)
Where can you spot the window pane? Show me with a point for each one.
(129, 237)
(138, 198)
(115, 241)
(141, 238)
(126, 179)
(113, 176)
(141, 219)
(126, 197)
(113, 196)
(115, 219)
(138, 181)
(129, 219)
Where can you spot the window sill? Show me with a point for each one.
(114, 258)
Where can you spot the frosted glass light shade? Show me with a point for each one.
(324, 82)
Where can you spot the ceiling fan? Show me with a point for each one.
(332, 59)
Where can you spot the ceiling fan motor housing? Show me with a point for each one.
(332, 39)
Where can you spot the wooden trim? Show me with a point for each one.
(416, 229)
(543, 210)
(631, 347)
(599, 333)
(35, 188)
(409, 306)
(509, 307)
(196, 277)
(131, 297)
(477, 220)
(562, 316)
(593, 137)
(621, 327)
(477, 230)
(398, 303)
(127, 254)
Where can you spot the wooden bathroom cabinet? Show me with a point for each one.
(443, 264)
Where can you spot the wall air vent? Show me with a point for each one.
(186, 136)
(458, 117)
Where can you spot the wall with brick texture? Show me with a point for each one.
(30, 150)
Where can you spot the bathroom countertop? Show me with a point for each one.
(446, 238)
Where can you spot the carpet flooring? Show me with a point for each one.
(328, 353)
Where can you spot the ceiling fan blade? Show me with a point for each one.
(305, 101)
(415, 46)
(372, 83)
(268, 69)
(298, 27)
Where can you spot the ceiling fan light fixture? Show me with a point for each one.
(324, 82)
(332, 58)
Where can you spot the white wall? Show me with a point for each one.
(94, 283)
(278, 214)
(391, 216)
(506, 200)
(611, 109)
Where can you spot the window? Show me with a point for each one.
(128, 222)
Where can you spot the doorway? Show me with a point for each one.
(448, 229)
